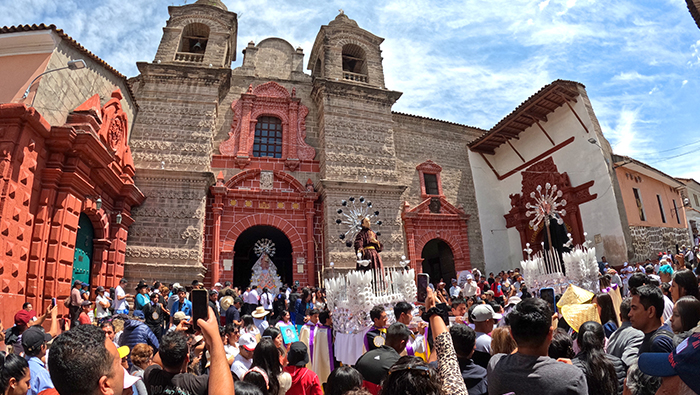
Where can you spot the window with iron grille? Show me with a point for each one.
(268, 138)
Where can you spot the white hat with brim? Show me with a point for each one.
(260, 312)
(484, 312)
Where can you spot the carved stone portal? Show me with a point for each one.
(269, 99)
(541, 173)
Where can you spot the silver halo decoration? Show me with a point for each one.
(546, 205)
(350, 216)
(264, 246)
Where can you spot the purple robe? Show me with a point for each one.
(367, 243)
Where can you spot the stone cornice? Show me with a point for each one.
(327, 187)
(145, 176)
(354, 90)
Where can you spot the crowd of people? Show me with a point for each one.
(487, 335)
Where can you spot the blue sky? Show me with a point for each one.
(470, 61)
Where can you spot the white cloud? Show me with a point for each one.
(543, 4)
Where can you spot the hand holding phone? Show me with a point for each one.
(53, 302)
(422, 284)
(200, 306)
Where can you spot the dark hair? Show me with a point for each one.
(305, 293)
(637, 280)
(247, 321)
(402, 307)
(607, 310)
(324, 316)
(604, 281)
(272, 331)
(458, 301)
(666, 289)
(464, 339)
(246, 388)
(230, 328)
(689, 311)
(237, 300)
(600, 371)
(530, 322)
(256, 379)
(267, 357)
(411, 375)
(79, 358)
(396, 333)
(342, 380)
(25, 304)
(12, 367)
(650, 295)
(376, 312)
(654, 281)
(625, 309)
(687, 281)
(314, 311)
(173, 349)
(561, 346)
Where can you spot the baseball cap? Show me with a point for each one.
(86, 303)
(247, 341)
(484, 312)
(513, 300)
(469, 277)
(33, 338)
(23, 317)
(682, 362)
(489, 292)
(298, 354)
(123, 351)
(180, 315)
(218, 285)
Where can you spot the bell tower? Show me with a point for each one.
(179, 96)
(199, 34)
(357, 153)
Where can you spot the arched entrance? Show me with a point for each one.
(438, 261)
(244, 254)
(83, 250)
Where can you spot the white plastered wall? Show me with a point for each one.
(581, 160)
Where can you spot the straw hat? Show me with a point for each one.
(226, 302)
(260, 312)
(577, 314)
(575, 295)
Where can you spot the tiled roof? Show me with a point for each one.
(436, 120)
(694, 8)
(72, 42)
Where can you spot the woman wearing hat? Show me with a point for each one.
(142, 298)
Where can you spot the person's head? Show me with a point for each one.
(625, 309)
(488, 295)
(679, 368)
(531, 323)
(27, 306)
(411, 375)
(666, 273)
(403, 311)
(646, 308)
(275, 334)
(397, 336)
(247, 343)
(84, 361)
(501, 341)
(313, 315)
(342, 380)
(86, 305)
(637, 280)
(484, 317)
(365, 222)
(174, 352)
(267, 357)
(285, 316)
(179, 317)
(603, 259)
(600, 372)
(378, 316)
(232, 334)
(213, 295)
(666, 290)
(463, 339)
(181, 294)
(686, 314)
(685, 283)
(246, 388)
(248, 321)
(459, 307)
(306, 295)
(325, 318)
(561, 346)
(606, 310)
(78, 284)
(34, 341)
(14, 375)
(141, 355)
(237, 302)
(123, 282)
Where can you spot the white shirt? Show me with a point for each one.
(483, 342)
(119, 304)
(231, 351)
(240, 365)
(101, 311)
(266, 301)
(454, 291)
(252, 297)
(469, 289)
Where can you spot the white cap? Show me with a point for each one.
(484, 312)
(180, 315)
(247, 341)
(469, 276)
(218, 285)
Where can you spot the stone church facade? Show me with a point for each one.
(227, 157)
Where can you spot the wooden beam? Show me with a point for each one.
(574, 111)
(535, 116)
(537, 158)
(516, 151)
(545, 133)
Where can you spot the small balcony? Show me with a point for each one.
(354, 77)
(189, 57)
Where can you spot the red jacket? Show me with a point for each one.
(304, 381)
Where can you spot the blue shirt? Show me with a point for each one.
(186, 308)
(40, 379)
(141, 300)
